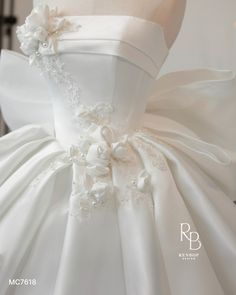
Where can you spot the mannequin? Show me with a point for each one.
(168, 13)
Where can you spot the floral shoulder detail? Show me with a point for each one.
(39, 40)
(41, 30)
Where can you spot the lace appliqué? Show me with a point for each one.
(138, 190)
(157, 159)
(84, 202)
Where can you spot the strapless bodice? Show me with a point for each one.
(112, 59)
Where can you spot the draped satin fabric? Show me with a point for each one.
(185, 122)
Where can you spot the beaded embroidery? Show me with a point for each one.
(97, 156)
(82, 204)
(138, 190)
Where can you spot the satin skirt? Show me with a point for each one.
(177, 237)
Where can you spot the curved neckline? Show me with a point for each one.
(152, 23)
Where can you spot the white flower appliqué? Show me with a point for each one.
(101, 191)
(98, 159)
(41, 29)
(95, 154)
(144, 182)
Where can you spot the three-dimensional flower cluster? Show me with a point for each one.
(41, 28)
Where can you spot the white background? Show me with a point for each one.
(207, 37)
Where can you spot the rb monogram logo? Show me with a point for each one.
(192, 236)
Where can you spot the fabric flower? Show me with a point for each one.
(101, 191)
(97, 170)
(75, 155)
(144, 182)
(41, 26)
(98, 159)
(85, 143)
(107, 134)
(99, 154)
(120, 151)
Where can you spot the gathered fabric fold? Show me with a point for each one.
(195, 145)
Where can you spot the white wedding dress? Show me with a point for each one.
(106, 163)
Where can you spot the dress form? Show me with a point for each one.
(168, 13)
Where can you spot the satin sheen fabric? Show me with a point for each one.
(185, 121)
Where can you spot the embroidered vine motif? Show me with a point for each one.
(89, 117)
(39, 39)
